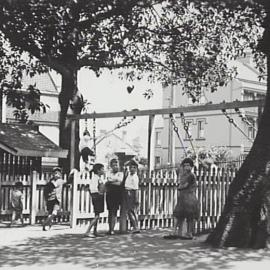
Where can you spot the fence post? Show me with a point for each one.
(123, 216)
(0, 195)
(74, 199)
(33, 208)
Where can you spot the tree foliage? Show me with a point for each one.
(192, 43)
(24, 98)
(188, 42)
(74, 33)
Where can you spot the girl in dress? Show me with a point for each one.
(187, 206)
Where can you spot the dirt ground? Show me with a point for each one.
(64, 248)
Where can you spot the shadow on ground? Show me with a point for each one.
(145, 250)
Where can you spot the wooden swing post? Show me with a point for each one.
(150, 131)
(72, 144)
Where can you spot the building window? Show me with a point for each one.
(252, 128)
(248, 95)
(157, 161)
(201, 129)
(158, 138)
(260, 96)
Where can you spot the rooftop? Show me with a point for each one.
(26, 140)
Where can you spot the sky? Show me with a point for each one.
(108, 93)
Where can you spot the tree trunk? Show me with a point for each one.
(239, 224)
(70, 102)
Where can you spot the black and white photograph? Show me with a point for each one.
(134, 134)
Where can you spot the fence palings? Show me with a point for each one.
(158, 196)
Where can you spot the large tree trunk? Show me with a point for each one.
(70, 102)
(239, 225)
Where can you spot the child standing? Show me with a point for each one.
(97, 194)
(114, 193)
(187, 206)
(131, 194)
(17, 203)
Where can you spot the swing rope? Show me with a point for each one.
(94, 136)
(176, 130)
(123, 122)
(245, 119)
(86, 124)
(231, 121)
(186, 128)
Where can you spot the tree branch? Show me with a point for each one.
(118, 10)
(47, 60)
(100, 64)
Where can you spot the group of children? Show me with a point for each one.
(122, 189)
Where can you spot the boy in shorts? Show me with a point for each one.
(113, 193)
(53, 196)
(97, 194)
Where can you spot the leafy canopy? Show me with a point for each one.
(13, 67)
(192, 43)
(180, 41)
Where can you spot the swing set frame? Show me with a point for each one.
(152, 113)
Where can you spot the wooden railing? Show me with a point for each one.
(158, 196)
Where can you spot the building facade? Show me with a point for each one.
(210, 128)
(113, 146)
(48, 123)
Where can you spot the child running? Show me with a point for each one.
(17, 203)
(131, 195)
(187, 206)
(53, 196)
(97, 194)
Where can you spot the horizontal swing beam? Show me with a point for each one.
(182, 109)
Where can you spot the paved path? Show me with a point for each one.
(29, 248)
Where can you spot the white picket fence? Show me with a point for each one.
(158, 196)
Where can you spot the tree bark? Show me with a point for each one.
(239, 224)
(70, 102)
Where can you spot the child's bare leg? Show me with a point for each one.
(48, 221)
(95, 227)
(13, 218)
(112, 220)
(93, 223)
(133, 219)
(190, 227)
(180, 226)
(176, 225)
(21, 218)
